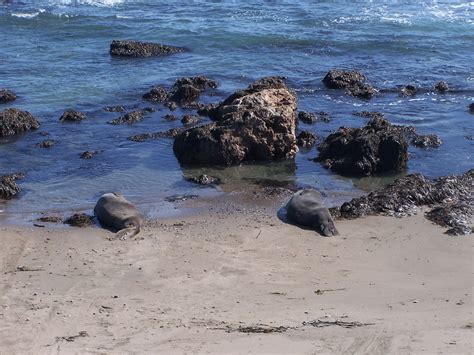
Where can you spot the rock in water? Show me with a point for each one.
(255, 124)
(72, 116)
(352, 81)
(80, 220)
(8, 186)
(306, 208)
(442, 86)
(114, 211)
(142, 49)
(14, 121)
(6, 96)
(376, 148)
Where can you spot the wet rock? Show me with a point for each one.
(205, 180)
(48, 143)
(89, 154)
(149, 109)
(80, 220)
(305, 139)
(171, 133)
(129, 118)
(180, 198)
(187, 90)
(114, 108)
(157, 94)
(142, 49)
(50, 219)
(426, 141)
(14, 121)
(72, 116)
(171, 105)
(369, 114)
(352, 81)
(376, 148)
(470, 137)
(206, 109)
(199, 82)
(170, 118)
(307, 117)
(255, 124)
(451, 194)
(6, 96)
(409, 90)
(442, 86)
(471, 108)
(185, 94)
(8, 186)
(188, 120)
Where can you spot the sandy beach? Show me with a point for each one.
(235, 279)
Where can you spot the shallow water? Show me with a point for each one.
(55, 56)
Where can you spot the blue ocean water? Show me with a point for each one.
(55, 56)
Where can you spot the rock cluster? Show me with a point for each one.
(142, 49)
(14, 121)
(129, 118)
(255, 124)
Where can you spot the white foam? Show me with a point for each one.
(100, 3)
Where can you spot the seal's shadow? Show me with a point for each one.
(283, 216)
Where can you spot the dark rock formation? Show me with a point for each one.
(80, 220)
(442, 86)
(451, 197)
(376, 148)
(206, 109)
(352, 81)
(170, 118)
(129, 118)
(426, 141)
(255, 124)
(8, 186)
(409, 90)
(114, 108)
(369, 114)
(89, 154)
(205, 180)
(199, 82)
(189, 120)
(50, 219)
(14, 121)
(142, 49)
(6, 96)
(157, 94)
(48, 143)
(307, 117)
(171, 133)
(72, 116)
(183, 94)
(471, 108)
(305, 139)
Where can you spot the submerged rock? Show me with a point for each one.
(8, 186)
(376, 148)
(6, 96)
(48, 143)
(50, 219)
(157, 94)
(89, 154)
(369, 114)
(471, 108)
(142, 49)
(129, 118)
(442, 86)
(171, 133)
(189, 120)
(255, 124)
(14, 121)
(305, 139)
(187, 90)
(80, 220)
(451, 197)
(409, 90)
(307, 117)
(114, 108)
(205, 180)
(170, 118)
(352, 81)
(426, 141)
(72, 116)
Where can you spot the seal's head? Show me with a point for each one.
(325, 224)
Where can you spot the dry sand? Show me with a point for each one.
(237, 280)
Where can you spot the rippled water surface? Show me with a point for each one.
(55, 56)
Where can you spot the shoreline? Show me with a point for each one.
(236, 279)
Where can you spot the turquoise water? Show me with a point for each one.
(55, 56)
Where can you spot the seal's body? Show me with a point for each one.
(306, 208)
(115, 212)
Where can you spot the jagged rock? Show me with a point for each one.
(14, 121)
(142, 49)
(255, 124)
(305, 139)
(442, 86)
(72, 116)
(376, 148)
(426, 141)
(6, 96)
(129, 118)
(409, 90)
(352, 81)
(205, 180)
(451, 197)
(170, 118)
(8, 186)
(188, 120)
(171, 133)
(157, 94)
(48, 143)
(307, 117)
(114, 108)
(89, 154)
(80, 220)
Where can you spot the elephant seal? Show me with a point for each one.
(305, 208)
(115, 212)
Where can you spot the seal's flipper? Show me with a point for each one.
(127, 233)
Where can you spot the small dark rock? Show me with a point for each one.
(179, 198)
(362, 91)
(185, 94)
(6, 96)
(170, 118)
(114, 108)
(352, 81)
(442, 86)
(142, 49)
(89, 154)
(408, 90)
(368, 114)
(171, 105)
(470, 137)
(72, 116)
(471, 108)
(157, 94)
(149, 109)
(80, 220)
(129, 118)
(48, 143)
(199, 82)
(204, 110)
(50, 219)
(8, 186)
(188, 120)
(171, 133)
(14, 121)
(187, 90)
(305, 139)
(204, 180)
(306, 117)
(426, 141)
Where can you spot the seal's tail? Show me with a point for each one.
(127, 232)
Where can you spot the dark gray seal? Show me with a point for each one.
(116, 212)
(306, 208)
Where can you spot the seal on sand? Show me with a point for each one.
(115, 212)
(305, 208)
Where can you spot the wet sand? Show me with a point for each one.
(235, 279)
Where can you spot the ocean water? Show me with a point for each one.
(55, 56)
